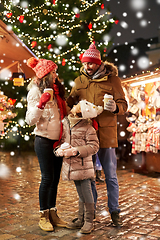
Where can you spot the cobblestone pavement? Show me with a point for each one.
(19, 206)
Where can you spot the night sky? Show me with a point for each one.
(137, 19)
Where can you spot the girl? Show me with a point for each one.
(77, 164)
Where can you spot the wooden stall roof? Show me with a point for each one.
(141, 79)
(13, 52)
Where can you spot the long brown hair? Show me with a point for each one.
(47, 82)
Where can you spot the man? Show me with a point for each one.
(96, 80)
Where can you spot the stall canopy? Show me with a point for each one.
(13, 54)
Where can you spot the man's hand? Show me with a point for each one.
(110, 106)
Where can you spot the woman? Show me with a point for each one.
(47, 116)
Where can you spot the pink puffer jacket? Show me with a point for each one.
(80, 134)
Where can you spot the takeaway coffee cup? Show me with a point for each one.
(107, 97)
(65, 146)
(49, 90)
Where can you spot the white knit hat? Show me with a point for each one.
(92, 55)
(89, 110)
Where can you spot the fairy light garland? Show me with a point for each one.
(35, 12)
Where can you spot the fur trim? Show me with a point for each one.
(112, 70)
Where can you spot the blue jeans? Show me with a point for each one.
(107, 157)
(50, 166)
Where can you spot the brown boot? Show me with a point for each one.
(98, 177)
(89, 216)
(55, 220)
(78, 223)
(44, 222)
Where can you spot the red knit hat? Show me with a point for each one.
(92, 55)
(41, 66)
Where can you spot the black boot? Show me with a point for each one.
(98, 177)
(116, 219)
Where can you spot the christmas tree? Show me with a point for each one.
(60, 31)
(17, 134)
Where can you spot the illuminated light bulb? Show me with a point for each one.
(26, 138)
(21, 122)
(14, 129)
(53, 25)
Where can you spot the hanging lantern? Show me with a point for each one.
(18, 78)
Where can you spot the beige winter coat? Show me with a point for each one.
(47, 120)
(80, 134)
(93, 90)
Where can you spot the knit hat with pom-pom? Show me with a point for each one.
(92, 55)
(41, 66)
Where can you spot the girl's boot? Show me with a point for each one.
(54, 219)
(78, 223)
(88, 220)
(44, 222)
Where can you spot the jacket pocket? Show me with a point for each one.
(103, 88)
(107, 119)
(82, 91)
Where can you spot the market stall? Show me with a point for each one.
(13, 54)
(143, 96)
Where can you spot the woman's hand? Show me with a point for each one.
(43, 100)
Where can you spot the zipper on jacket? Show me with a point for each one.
(82, 162)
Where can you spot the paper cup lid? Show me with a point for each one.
(65, 145)
(108, 96)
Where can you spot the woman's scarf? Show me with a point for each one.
(63, 112)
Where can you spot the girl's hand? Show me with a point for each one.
(59, 152)
(70, 152)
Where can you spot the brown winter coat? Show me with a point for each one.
(80, 134)
(93, 90)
